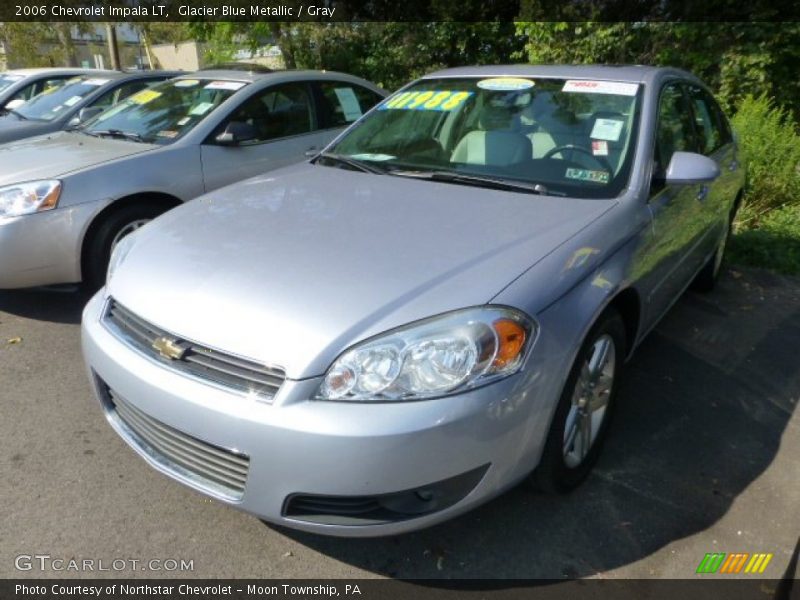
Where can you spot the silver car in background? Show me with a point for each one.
(435, 309)
(67, 198)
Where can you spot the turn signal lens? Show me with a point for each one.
(511, 338)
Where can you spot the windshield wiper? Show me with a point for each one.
(361, 165)
(479, 181)
(116, 133)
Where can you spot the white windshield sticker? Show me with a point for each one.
(505, 84)
(349, 103)
(72, 101)
(375, 157)
(585, 86)
(225, 85)
(201, 108)
(607, 129)
(96, 81)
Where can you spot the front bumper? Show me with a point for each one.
(477, 443)
(44, 248)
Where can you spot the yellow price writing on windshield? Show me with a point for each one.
(428, 100)
(145, 96)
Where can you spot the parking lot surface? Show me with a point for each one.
(702, 457)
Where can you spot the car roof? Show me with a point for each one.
(117, 75)
(278, 75)
(49, 71)
(625, 73)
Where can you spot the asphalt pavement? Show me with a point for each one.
(702, 457)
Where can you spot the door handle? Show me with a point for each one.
(702, 193)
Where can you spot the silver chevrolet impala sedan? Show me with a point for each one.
(437, 307)
(68, 197)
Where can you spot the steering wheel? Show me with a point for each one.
(598, 159)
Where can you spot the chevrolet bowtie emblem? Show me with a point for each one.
(169, 348)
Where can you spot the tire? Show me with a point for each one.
(114, 226)
(565, 465)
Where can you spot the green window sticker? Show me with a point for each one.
(587, 175)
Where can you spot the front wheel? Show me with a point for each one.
(113, 228)
(581, 419)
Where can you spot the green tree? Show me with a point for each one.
(735, 59)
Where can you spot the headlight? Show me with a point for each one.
(119, 253)
(432, 358)
(26, 198)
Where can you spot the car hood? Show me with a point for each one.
(293, 267)
(13, 128)
(60, 153)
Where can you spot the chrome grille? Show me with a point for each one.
(217, 470)
(210, 365)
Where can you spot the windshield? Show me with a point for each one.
(571, 137)
(53, 102)
(165, 112)
(9, 79)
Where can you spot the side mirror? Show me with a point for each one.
(689, 167)
(14, 104)
(90, 112)
(85, 114)
(235, 133)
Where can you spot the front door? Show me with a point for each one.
(674, 250)
(284, 122)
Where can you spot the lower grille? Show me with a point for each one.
(382, 508)
(193, 359)
(217, 470)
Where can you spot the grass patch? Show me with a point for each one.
(772, 243)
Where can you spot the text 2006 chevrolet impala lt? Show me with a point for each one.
(434, 309)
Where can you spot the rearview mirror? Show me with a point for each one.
(690, 167)
(235, 133)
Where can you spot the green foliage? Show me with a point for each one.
(770, 145)
(735, 59)
(388, 53)
(774, 243)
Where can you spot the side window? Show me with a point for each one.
(26, 93)
(43, 86)
(343, 102)
(674, 131)
(725, 132)
(706, 119)
(279, 111)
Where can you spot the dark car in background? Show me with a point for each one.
(17, 86)
(79, 99)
